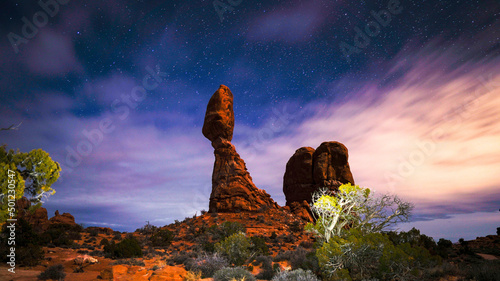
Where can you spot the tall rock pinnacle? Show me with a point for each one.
(232, 186)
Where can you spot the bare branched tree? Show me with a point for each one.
(12, 127)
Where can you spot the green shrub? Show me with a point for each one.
(226, 229)
(162, 238)
(259, 246)
(360, 256)
(61, 235)
(266, 265)
(233, 273)
(444, 247)
(236, 248)
(295, 275)
(104, 242)
(127, 248)
(55, 272)
(209, 264)
(300, 258)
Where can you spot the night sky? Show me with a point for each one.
(116, 92)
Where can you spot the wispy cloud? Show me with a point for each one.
(431, 136)
(293, 23)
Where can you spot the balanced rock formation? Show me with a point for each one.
(219, 118)
(309, 169)
(232, 186)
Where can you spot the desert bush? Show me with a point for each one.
(300, 258)
(192, 276)
(444, 247)
(29, 250)
(306, 244)
(93, 232)
(488, 270)
(443, 270)
(296, 227)
(303, 259)
(162, 238)
(232, 274)
(58, 235)
(360, 256)
(259, 246)
(225, 229)
(129, 262)
(104, 242)
(128, 248)
(117, 236)
(55, 272)
(295, 275)
(357, 208)
(209, 264)
(266, 264)
(236, 248)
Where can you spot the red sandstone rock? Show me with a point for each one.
(309, 169)
(330, 165)
(39, 218)
(232, 186)
(219, 117)
(65, 218)
(298, 181)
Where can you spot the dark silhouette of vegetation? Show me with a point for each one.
(127, 248)
(55, 272)
(29, 250)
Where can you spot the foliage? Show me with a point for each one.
(61, 235)
(444, 247)
(209, 264)
(358, 256)
(32, 174)
(266, 263)
(162, 238)
(233, 273)
(127, 248)
(225, 229)
(354, 207)
(129, 262)
(295, 275)
(259, 246)
(236, 248)
(104, 242)
(55, 272)
(192, 276)
(486, 271)
(29, 250)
